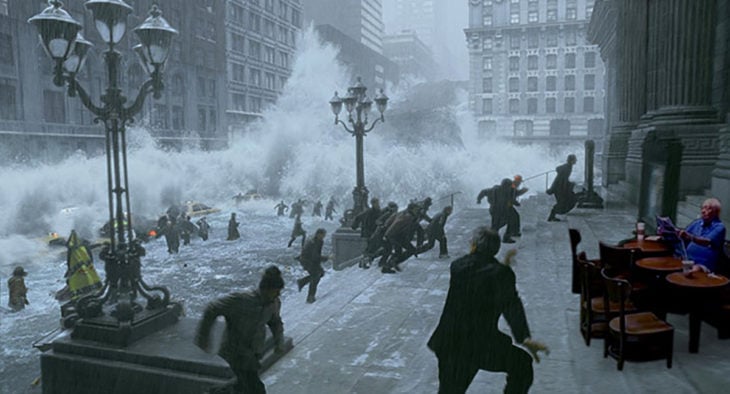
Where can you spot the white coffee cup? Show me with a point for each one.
(640, 227)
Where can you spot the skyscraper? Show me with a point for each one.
(533, 73)
(362, 20)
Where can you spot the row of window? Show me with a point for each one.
(533, 13)
(550, 106)
(269, 81)
(239, 102)
(570, 39)
(237, 13)
(589, 83)
(551, 61)
(270, 55)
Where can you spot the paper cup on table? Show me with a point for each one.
(687, 265)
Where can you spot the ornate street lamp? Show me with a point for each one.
(358, 102)
(113, 314)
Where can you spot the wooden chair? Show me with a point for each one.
(592, 313)
(616, 259)
(634, 336)
(575, 239)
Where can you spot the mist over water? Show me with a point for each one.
(294, 151)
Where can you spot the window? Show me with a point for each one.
(54, 109)
(255, 104)
(296, 18)
(532, 62)
(514, 18)
(3, 7)
(551, 62)
(550, 84)
(514, 63)
(254, 77)
(570, 82)
(532, 105)
(269, 81)
(523, 128)
(552, 14)
(238, 101)
(571, 13)
(178, 86)
(201, 87)
(487, 85)
(212, 124)
(202, 119)
(178, 118)
(237, 43)
(487, 44)
(487, 19)
(588, 105)
(211, 88)
(7, 101)
(589, 10)
(550, 105)
(589, 59)
(269, 51)
(159, 116)
(514, 84)
(487, 106)
(589, 82)
(239, 72)
(235, 12)
(533, 40)
(532, 84)
(254, 49)
(269, 28)
(515, 41)
(487, 63)
(552, 39)
(254, 22)
(6, 47)
(569, 105)
(570, 60)
(532, 17)
(284, 59)
(570, 38)
(514, 106)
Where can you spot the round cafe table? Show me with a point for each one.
(649, 248)
(660, 264)
(700, 288)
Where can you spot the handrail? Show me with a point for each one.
(449, 196)
(546, 173)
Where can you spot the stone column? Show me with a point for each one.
(680, 75)
(634, 44)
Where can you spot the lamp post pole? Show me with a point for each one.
(113, 314)
(358, 102)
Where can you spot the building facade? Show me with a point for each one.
(533, 74)
(669, 102)
(261, 41)
(411, 55)
(356, 27)
(360, 19)
(39, 121)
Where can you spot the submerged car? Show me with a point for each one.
(190, 208)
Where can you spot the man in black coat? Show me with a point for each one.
(562, 188)
(398, 236)
(467, 337)
(311, 259)
(513, 217)
(435, 232)
(233, 233)
(500, 198)
(365, 220)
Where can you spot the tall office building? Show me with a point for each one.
(533, 74)
(261, 39)
(361, 20)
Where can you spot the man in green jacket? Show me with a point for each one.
(246, 313)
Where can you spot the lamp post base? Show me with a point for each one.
(346, 245)
(166, 361)
(107, 329)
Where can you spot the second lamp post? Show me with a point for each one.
(358, 102)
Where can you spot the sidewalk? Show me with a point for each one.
(367, 332)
